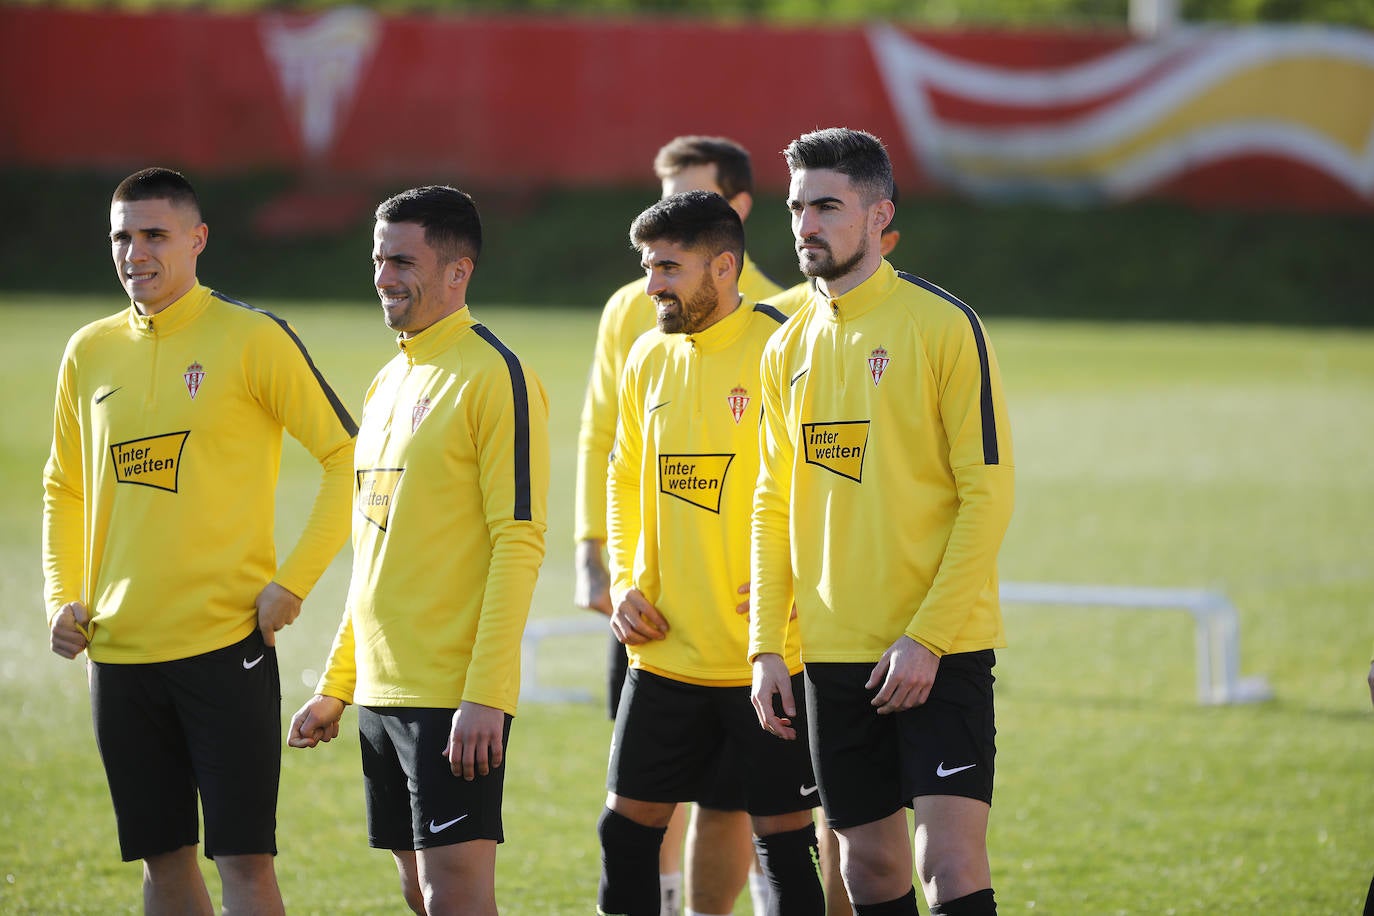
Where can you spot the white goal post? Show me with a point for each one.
(1216, 624)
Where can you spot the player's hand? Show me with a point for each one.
(635, 621)
(905, 673)
(772, 684)
(474, 742)
(316, 721)
(70, 633)
(277, 608)
(591, 580)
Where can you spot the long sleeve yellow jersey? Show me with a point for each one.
(450, 491)
(160, 488)
(681, 484)
(628, 313)
(886, 480)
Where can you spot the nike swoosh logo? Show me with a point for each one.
(435, 828)
(657, 406)
(797, 376)
(942, 772)
(101, 397)
(809, 790)
(253, 664)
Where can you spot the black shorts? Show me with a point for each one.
(208, 725)
(413, 799)
(617, 663)
(670, 738)
(870, 765)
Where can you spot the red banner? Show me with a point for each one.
(517, 101)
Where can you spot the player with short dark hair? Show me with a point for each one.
(452, 480)
(884, 491)
(681, 485)
(719, 853)
(158, 547)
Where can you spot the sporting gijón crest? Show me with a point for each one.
(194, 376)
(418, 412)
(877, 365)
(739, 401)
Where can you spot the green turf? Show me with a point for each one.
(1197, 456)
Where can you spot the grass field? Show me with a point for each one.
(1197, 456)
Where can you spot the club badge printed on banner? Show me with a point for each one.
(194, 376)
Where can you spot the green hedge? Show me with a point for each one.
(1150, 261)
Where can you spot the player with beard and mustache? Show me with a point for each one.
(885, 488)
(680, 488)
(718, 851)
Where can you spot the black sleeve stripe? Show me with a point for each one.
(770, 311)
(340, 411)
(523, 511)
(988, 414)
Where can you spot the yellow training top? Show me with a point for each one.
(886, 479)
(160, 489)
(680, 491)
(449, 518)
(628, 313)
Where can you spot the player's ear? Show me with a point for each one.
(889, 241)
(200, 236)
(743, 202)
(460, 271)
(724, 265)
(882, 213)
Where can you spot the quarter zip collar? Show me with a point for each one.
(175, 316)
(724, 332)
(863, 298)
(436, 338)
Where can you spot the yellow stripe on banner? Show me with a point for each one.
(1331, 97)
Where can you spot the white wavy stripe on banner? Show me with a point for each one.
(901, 57)
(1190, 151)
(939, 144)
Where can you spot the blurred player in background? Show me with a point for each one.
(719, 853)
(448, 536)
(158, 550)
(884, 491)
(679, 499)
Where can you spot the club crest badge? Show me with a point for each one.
(418, 412)
(877, 365)
(194, 377)
(739, 401)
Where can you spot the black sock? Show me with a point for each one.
(979, 903)
(629, 866)
(904, 905)
(792, 864)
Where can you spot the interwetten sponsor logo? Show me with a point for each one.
(376, 492)
(838, 446)
(153, 461)
(697, 479)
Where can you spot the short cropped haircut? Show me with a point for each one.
(448, 216)
(855, 153)
(734, 173)
(158, 184)
(694, 219)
